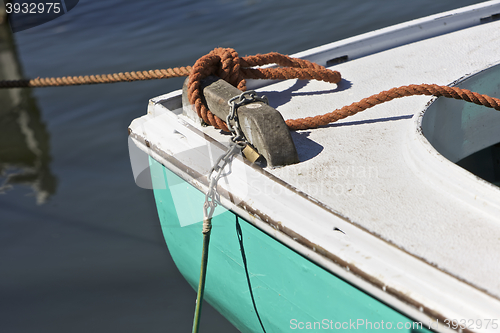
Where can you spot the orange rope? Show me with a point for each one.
(94, 79)
(226, 64)
(385, 96)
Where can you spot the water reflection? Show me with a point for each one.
(24, 140)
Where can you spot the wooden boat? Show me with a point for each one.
(384, 223)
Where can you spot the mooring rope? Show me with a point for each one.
(385, 96)
(207, 227)
(95, 79)
(225, 63)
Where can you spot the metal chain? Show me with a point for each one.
(211, 199)
(238, 142)
(212, 196)
(232, 121)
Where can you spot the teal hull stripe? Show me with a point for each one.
(290, 292)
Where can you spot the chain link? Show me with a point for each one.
(232, 120)
(212, 196)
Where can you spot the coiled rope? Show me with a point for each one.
(225, 63)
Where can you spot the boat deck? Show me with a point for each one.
(359, 166)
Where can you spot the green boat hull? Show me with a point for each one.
(257, 282)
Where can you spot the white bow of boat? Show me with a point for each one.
(377, 198)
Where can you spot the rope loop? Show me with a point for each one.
(226, 64)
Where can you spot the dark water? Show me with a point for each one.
(81, 248)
